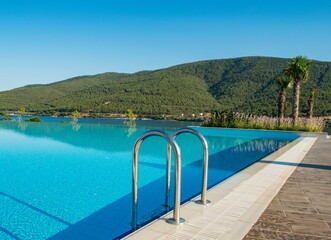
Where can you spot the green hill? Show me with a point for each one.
(239, 84)
(248, 84)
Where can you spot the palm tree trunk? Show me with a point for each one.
(310, 109)
(281, 105)
(310, 106)
(296, 102)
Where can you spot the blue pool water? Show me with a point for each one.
(63, 182)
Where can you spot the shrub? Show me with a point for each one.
(240, 120)
(33, 119)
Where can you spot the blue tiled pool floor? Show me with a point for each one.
(57, 181)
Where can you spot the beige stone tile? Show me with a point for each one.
(253, 213)
(163, 227)
(147, 234)
(238, 231)
(198, 208)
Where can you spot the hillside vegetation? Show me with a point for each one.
(240, 84)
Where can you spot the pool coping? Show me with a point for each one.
(236, 203)
(298, 133)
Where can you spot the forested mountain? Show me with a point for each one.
(240, 84)
(249, 84)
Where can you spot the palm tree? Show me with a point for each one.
(311, 102)
(297, 69)
(284, 83)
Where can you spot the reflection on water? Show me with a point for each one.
(100, 137)
(75, 126)
(131, 130)
(132, 126)
(256, 145)
(22, 125)
(117, 122)
(97, 136)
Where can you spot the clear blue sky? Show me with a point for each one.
(43, 41)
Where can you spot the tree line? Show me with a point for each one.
(245, 85)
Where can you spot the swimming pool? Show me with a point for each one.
(64, 182)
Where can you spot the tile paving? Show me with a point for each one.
(302, 208)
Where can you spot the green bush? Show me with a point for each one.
(33, 119)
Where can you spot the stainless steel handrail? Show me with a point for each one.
(203, 200)
(176, 213)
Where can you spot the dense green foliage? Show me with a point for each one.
(240, 84)
(33, 119)
(249, 84)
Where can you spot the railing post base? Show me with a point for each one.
(202, 203)
(174, 222)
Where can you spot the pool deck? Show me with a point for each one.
(302, 208)
(271, 199)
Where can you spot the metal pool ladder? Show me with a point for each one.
(176, 216)
(176, 219)
(203, 200)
